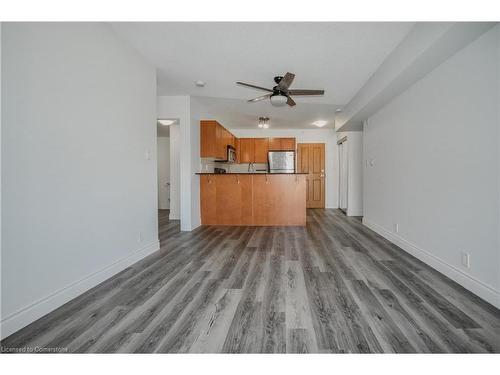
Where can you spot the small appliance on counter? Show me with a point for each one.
(281, 161)
(219, 170)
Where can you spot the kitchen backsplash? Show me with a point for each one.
(207, 165)
(242, 168)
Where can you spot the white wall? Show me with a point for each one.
(79, 193)
(0, 138)
(436, 168)
(163, 152)
(326, 136)
(178, 107)
(175, 173)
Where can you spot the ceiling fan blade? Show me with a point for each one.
(286, 81)
(253, 86)
(306, 92)
(260, 98)
(290, 101)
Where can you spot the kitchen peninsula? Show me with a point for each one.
(249, 198)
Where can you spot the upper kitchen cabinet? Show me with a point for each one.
(246, 150)
(261, 148)
(214, 139)
(274, 144)
(288, 144)
(237, 146)
(281, 144)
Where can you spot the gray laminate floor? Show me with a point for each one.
(332, 287)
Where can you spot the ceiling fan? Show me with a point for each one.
(280, 94)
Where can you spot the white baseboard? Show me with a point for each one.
(354, 213)
(476, 286)
(173, 217)
(36, 310)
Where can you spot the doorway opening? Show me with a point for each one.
(168, 165)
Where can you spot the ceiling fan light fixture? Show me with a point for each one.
(263, 122)
(320, 123)
(278, 100)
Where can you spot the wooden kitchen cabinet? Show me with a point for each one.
(233, 199)
(214, 139)
(237, 146)
(253, 199)
(269, 199)
(261, 147)
(207, 199)
(221, 145)
(247, 150)
(274, 144)
(226, 199)
(279, 200)
(281, 144)
(288, 144)
(232, 140)
(208, 139)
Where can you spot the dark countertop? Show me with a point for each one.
(201, 173)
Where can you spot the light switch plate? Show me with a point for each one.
(465, 259)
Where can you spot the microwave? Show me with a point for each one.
(231, 154)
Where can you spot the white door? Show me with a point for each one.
(343, 176)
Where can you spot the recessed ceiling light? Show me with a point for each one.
(200, 83)
(166, 122)
(320, 123)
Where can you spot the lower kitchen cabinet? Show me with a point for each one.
(261, 200)
(233, 199)
(279, 200)
(208, 199)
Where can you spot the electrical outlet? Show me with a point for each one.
(465, 259)
(396, 228)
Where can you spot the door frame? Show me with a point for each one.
(343, 152)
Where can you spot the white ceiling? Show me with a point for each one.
(238, 114)
(338, 57)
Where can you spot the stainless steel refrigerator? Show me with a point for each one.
(281, 161)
